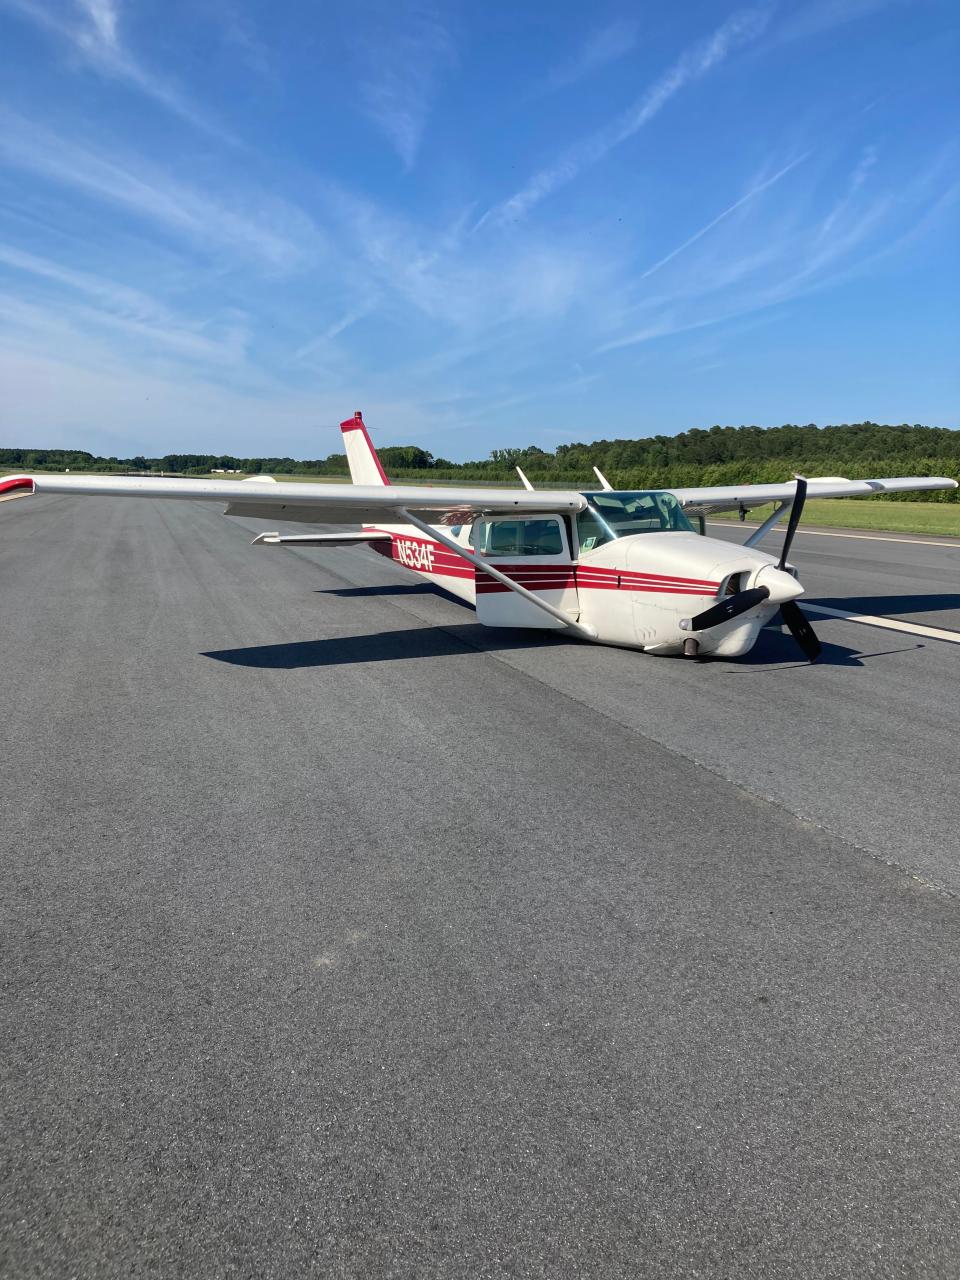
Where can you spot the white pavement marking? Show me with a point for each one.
(887, 624)
(860, 537)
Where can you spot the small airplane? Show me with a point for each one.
(618, 567)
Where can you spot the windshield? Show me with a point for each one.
(618, 515)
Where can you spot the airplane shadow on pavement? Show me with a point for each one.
(773, 650)
(397, 589)
(777, 650)
(890, 606)
(383, 646)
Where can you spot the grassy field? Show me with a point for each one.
(873, 513)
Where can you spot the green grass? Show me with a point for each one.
(872, 513)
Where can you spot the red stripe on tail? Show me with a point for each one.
(356, 424)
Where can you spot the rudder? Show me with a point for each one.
(362, 458)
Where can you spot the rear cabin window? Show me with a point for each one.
(518, 538)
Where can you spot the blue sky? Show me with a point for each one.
(225, 225)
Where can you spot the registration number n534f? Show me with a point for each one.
(415, 555)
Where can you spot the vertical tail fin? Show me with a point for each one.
(362, 458)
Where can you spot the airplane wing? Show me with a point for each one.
(366, 504)
(307, 503)
(733, 497)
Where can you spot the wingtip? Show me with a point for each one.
(16, 487)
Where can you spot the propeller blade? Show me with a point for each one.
(729, 607)
(801, 630)
(796, 511)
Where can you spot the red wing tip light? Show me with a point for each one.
(16, 487)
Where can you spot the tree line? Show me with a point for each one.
(719, 455)
(401, 457)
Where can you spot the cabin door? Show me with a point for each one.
(533, 552)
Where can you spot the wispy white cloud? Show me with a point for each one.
(103, 20)
(577, 385)
(66, 386)
(320, 344)
(68, 326)
(120, 298)
(455, 280)
(754, 191)
(695, 62)
(267, 230)
(90, 29)
(818, 16)
(238, 32)
(473, 297)
(117, 307)
(859, 175)
(606, 45)
(780, 254)
(406, 49)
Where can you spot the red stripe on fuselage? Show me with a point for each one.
(601, 572)
(423, 555)
(594, 578)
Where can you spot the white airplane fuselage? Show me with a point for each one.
(634, 591)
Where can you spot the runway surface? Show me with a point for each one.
(343, 937)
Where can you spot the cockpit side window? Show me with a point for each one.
(591, 532)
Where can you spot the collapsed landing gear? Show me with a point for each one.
(691, 647)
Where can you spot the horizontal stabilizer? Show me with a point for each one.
(359, 538)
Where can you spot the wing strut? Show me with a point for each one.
(603, 479)
(581, 629)
(771, 520)
(790, 505)
(524, 481)
(358, 537)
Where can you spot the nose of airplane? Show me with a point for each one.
(781, 585)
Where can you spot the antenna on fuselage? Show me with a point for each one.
(523, 479)
(603, 479)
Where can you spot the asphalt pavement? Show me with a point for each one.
(344, 937)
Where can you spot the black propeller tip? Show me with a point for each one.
(796, 511)
(799, 626)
